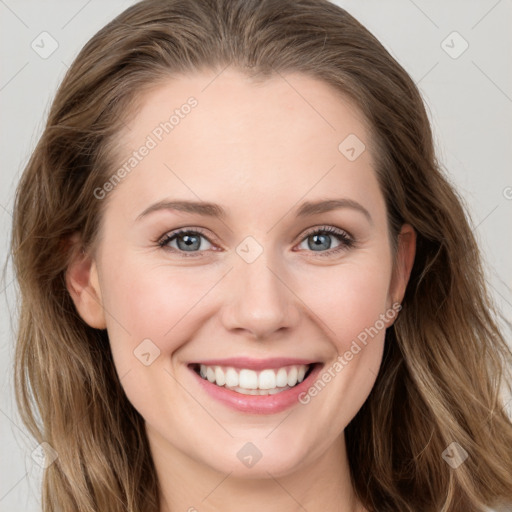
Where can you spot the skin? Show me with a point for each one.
(259, 150)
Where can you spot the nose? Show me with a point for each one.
(261, 302)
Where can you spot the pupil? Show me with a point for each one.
(321, 240)
(189, 241)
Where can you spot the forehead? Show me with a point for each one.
(232, 107)
(214, 135)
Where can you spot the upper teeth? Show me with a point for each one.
(249, 379)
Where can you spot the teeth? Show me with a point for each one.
(250, 382)
(281, 378)
(292, 376)
(231, 377)
(210, 374)
(248, 379)
(220, 378)
(267, 379)
(259, 391)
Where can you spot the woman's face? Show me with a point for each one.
(273, 287)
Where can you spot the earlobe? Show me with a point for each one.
(83, 286)
(404, 260)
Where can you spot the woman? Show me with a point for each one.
(245, 282)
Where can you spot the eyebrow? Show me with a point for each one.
(215, 210)
(327, 205)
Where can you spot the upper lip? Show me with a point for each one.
(255, 364)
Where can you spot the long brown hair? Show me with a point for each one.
(445, 363)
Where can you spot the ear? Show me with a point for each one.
(83, 285)
(404, 260)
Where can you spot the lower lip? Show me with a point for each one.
(258, 404)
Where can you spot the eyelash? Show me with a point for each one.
(346, 241)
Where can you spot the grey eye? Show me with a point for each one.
(319, 241)
(188, 241)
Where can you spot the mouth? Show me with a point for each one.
(247, 381)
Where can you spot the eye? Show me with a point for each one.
(185, 241)
(193, 242)
(320, 240)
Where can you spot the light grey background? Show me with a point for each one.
(469, 99)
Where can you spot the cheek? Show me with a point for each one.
(164, 303)
(154, 302)
(349, 298)
(350, 304)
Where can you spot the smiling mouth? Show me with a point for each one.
(250, 382)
